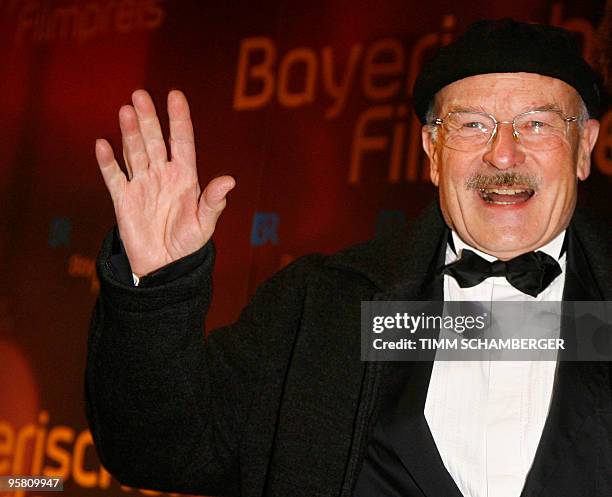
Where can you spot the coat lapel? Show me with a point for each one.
(567, 453)
(407, 432)
(406, 274)
(400, 421)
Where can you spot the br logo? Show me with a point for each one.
(265, 228)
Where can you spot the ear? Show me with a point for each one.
(585, 147)
(431, 149)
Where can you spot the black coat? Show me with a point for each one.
(279, 403)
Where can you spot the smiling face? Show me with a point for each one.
(503, 198)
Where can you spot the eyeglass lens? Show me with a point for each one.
(540, 130)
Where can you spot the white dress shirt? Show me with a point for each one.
(486, 417)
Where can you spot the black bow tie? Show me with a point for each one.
(530, 273)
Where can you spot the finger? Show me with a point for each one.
(182, 146)
(134, 153)
(213, 200)
(149, 128)
(113, 176)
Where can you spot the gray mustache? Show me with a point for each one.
(479, 181)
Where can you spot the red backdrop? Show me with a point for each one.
(307, 104)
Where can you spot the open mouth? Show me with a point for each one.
(505, 196)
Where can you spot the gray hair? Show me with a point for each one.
(583, 113)
(430, 117)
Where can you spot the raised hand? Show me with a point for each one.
(161, 211)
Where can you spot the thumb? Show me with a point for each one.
(213, 199)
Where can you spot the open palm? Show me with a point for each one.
(161, 211)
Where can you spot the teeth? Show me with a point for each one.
(502, 191)
(487, 193)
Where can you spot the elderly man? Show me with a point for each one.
(279, 403)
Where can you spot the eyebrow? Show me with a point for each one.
(545, 107)
(463, 108)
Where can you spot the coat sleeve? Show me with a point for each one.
(167, 408)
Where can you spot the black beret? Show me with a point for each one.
(503, 46)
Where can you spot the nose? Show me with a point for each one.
(504, 150)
